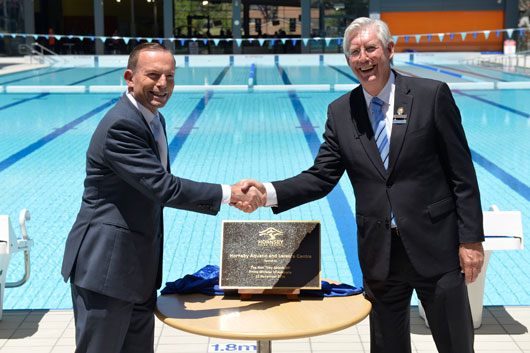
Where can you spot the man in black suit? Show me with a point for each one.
(418, 212)
(113, 254)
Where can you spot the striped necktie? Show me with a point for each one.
(381, 137)
(379, 126)
(160, 138)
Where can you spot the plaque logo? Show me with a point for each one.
(272, 234)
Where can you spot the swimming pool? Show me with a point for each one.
(221, 137)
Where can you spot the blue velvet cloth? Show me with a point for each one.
(206, 281)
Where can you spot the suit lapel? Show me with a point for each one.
(138, 115)
(364, 129)
(402, 106)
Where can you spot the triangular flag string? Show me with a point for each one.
(328, 40)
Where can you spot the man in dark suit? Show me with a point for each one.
(418, 212)
(113, 254)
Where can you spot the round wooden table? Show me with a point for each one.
(263, 318)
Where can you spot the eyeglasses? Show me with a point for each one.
(355, 53)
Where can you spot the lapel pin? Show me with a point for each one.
(399, 117)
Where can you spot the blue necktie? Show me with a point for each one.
(379, 126)
(160, 138)
(381, 137)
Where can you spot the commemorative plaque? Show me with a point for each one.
(270, 255)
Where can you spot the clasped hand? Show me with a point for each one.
(248, 195)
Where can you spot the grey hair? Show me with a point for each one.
(383, 33)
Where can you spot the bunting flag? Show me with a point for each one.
(509, 33)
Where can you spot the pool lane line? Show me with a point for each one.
(23, 101)
(338, 203)
(483, 100)
(472, 73)
(181, 136)
(9, 161)
(46, 94)
(348, 75)
(495, 104)
(94, 76)
(36, 75)
(508, 179)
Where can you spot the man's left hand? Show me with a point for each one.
(471, 260)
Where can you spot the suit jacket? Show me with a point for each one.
(430, 185)
(115, 245)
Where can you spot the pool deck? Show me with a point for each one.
(504, 329)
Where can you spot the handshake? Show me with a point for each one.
(248, 195)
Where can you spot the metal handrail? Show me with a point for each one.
(23, 217)
(43, 48)
(31, 50)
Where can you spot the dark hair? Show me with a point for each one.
(133, 57)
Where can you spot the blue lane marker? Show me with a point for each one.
(184, 131)
(98, 75)
(35, 75)
(23, 101)
(180, 138)
(9, 161)
(348, 75)
(515, 111)
(508, 179)
(221, 76)
(340, 208)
